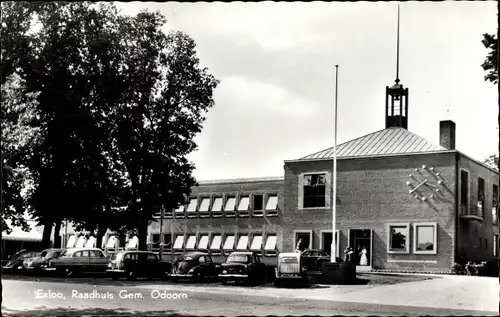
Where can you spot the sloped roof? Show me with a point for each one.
(389, 141)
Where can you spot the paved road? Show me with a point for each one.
(73, 297)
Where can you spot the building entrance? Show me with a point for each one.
(360, 240)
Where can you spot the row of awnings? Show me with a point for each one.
(230, 204)
(201, 242)
(90, 242)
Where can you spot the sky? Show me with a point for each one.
(276, 66)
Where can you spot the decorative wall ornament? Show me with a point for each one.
(420, 183)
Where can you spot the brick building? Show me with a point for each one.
(402, 201)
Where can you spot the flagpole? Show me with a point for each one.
(333, 254)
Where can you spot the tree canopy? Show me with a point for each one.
(119, 102)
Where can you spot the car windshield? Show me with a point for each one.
(51, 254)
(290, 260)
(237, 258)
(44, 253)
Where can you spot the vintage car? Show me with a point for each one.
(194, 265)
(313, 260)
(74, 261)
(290, 268)
(15, 262)
(133, 264)
(34, 264)
(243, 266)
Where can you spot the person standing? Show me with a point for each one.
(363, 260)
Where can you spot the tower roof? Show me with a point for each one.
(390, 141)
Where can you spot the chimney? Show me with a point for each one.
(447, 134)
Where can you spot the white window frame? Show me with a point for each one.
(337, 243)
(408, 236)
(238, 242)
(230, 213)
(415, 242)
(204, 213)
(218, 213)
(310, 232)
(271, 212)
(268, 252)
(328, 193)
(243, 212)
(223, 242)
(258, 212)
(215, 251)
(192, 213)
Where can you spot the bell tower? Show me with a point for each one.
(396, 99)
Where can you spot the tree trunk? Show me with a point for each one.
(99, 237)
(47, 230)
(142, 234)
(57, 235)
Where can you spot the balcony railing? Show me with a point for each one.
(471, 212)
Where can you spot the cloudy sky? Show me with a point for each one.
(276, 63)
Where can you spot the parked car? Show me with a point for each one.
(78, 260)
(133, 264)
(15, 262)
(290, 268)
(34, 264)
(243, 266)
(194, 265)
(313, 260)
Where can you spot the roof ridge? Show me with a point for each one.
(352, 140)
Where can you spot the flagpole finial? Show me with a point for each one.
(397, 53)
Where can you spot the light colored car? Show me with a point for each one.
(290, 267)
(78, 260)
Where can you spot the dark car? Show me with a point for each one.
(79, 260)
(15, 262)
(133, 264)
(35, 264)
(313, 260)
(243, 266)
(194, 265)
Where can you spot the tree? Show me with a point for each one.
(17, 113)
(492, 161)
(490, 65)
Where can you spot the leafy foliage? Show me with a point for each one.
(490, 65)
(492, 161)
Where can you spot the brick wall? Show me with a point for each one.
(372, 192)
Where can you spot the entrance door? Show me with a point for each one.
(360, 240)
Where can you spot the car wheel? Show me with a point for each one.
(224, 282)
(264, 279)
(197, 276)
(68, 272)
(149, 277)
(131, 276)
(277, 283)
(115, 278)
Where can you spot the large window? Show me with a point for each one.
(258, 205)
(216, 244)
(256, 245)
(480, 196)
(203, 243)
(302, 240)
(425, 238)
(464, 188)
(270, 246)
(495, 245)
(314, 190)
(229, 208)
(205, 207)
(242, 243)
(191, 242)
(217, 207)
(180, 212)
(229, 244)
(166, 244)
(494, 205)
(191, 209)
(398, 238)
(243, 206)
(272, 205)
(179, 244)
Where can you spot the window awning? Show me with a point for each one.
(205, 204)
(193, 203)
(203, 244)
(91, 242)
(216, 242)
(18, 234)
(230, 204)
(256, 243)
(80, 243)
(272, 203)
(217, 206)
(242, 243)
(191, 242)
(229, 243)
(179, 242)
(71, 241)
(180, 209)
(111, 244)
(244, 203)
(133, 243)
(270, 243)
